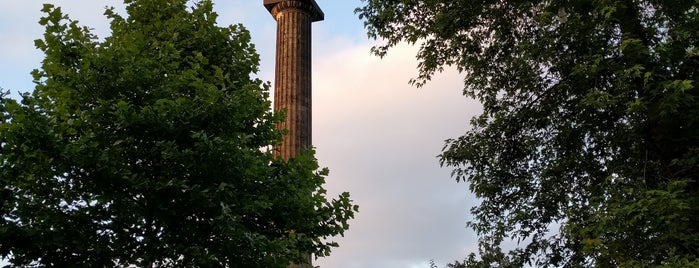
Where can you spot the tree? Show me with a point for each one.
(152, 147)
(587, 149)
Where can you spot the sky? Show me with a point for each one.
(378, 135)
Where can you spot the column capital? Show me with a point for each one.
(310, 6)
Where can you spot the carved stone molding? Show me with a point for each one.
(307, 6)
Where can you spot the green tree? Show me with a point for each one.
(587, 149)
(151, 147)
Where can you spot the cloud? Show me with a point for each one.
(17, 44)
(380, 137)
(20, 27)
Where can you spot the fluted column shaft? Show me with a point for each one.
(292, 84)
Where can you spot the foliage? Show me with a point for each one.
(587, 150)
(151, 147)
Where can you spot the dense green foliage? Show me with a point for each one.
(587, 150)
(151, 148)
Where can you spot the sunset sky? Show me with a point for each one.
(378, 135)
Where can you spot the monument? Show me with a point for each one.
(292, 82)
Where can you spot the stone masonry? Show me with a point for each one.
(292, 83)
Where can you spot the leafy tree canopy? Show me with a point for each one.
(152, 148)
(587, 150)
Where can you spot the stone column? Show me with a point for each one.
(292, 82)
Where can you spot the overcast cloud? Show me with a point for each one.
(378, 135)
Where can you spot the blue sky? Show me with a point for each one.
(378, 135)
